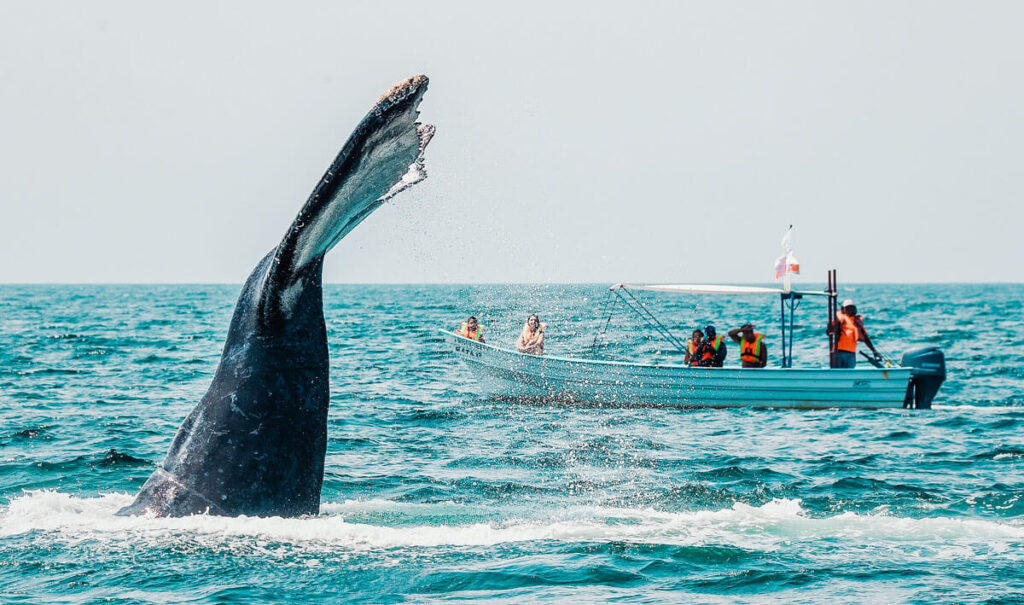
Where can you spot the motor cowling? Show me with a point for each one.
(928, 373)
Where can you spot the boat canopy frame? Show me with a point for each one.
(789, 300)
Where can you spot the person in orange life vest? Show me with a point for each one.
(691, 358)
(471, 329)
(713, 350)
(531, 339)
(849, 329)
(753, 351)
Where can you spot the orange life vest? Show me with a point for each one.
(691, 348)
(715, 344)
(474, 335)
(848, 333)
(750, 352)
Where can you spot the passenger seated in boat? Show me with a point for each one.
(713, 350)
(471, 329)
(753, 351)
(691, 358)
(531, 340)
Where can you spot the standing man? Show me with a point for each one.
(849, 329)
(753, 351)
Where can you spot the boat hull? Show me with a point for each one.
(506, 374)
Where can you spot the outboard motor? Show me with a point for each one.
(929, 371)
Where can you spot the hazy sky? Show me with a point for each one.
(668, 142)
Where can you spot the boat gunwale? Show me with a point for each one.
(632, 364)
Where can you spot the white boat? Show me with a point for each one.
(508, 374)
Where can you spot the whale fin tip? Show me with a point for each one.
(381, 158)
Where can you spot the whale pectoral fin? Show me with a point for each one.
(383, 156)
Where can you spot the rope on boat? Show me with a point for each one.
(649, 318)
(609, 304)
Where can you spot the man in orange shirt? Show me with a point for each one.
(849, 330)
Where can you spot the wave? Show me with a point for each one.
(765, 528)
(1000, 453)
(981, 409)
(41, 431)
(116, 458)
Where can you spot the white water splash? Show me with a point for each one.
(775, 524)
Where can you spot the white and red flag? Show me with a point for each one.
(787, 263)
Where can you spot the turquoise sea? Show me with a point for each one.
(434, 493)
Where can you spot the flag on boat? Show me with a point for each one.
(787, 263)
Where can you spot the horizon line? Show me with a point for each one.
(498, 283)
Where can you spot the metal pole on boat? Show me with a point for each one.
(828, 312)
(832, 292)
(792, 319)
(782, 324)
(787, 339)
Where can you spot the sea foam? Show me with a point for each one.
(66, 517)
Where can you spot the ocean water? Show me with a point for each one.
(433, 493)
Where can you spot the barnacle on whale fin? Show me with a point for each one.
(401, 91)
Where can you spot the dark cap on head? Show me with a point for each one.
(710, 331)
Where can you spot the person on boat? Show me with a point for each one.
(753, 351)
(691, 358)
(849, 330)
(471, 329)
(713, 351)
(531, 339)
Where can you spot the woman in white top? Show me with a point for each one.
(531, 340)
